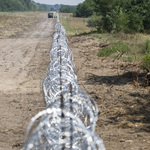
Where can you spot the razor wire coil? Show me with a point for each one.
(69, 119)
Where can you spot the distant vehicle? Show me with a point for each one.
(50, 15)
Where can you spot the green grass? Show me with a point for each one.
(118, 48)
(129, 58)
(97, 36)
(146, 61)
(137, 45)
(147, 46)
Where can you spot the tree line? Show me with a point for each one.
(67, 9)
(54, 7)
(116, 15)
(25, 5)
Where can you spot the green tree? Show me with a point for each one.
(67, 9)
(125, 15)
(22, 5)
(84, 9)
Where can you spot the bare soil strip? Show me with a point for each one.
(23, 62)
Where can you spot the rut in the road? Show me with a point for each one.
(69, 120)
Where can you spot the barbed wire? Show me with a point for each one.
(69, 119)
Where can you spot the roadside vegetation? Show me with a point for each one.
(113, 16)
(67, 9)
(122, 25)
(120, 45)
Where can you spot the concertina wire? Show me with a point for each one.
(69, 119)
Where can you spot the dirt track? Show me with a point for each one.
(124, 106)
(23, 62)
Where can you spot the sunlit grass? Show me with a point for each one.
(136, 42)
(73, 25)
(13, 22)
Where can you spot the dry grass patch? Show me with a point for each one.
(11, 23)
(74, 25)
(132, 39)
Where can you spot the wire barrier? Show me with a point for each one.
(69, 119)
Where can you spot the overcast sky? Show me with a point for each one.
(66, 2)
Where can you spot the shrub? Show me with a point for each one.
(74, 14)
(117, 47)
(147, 46)
(146, 57)
(114, 21)
(146, 61)
(95, 21)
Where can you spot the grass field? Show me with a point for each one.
(74, 25)
(13, 22)
(128, 47)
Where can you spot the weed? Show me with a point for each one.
(147, 46)
(146, 57)
(129, 59)
(97, 36)
(117, 47)
(146, 62)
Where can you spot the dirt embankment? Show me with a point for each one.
(124, 106)
(23, 62)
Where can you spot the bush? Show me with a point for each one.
(74, 14)
(147, 46)
(117, 47)
(95, 21)
(84, 9)
(146, 61)
(146, 57)
(114, 21)
(67, 9)
(124, 15)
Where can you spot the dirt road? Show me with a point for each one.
(23, 61)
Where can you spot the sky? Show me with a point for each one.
(66, 2)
